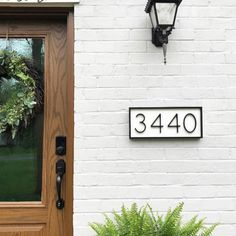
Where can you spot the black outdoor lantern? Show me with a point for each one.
(162, 14)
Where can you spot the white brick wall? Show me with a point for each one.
(117, 67)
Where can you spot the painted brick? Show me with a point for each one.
(117, 66)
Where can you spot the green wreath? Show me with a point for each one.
(18, 97)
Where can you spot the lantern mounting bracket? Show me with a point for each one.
(160, 37)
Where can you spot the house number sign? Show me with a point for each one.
(165, 122)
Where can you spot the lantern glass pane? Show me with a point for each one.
(153, 17)
(166, 13)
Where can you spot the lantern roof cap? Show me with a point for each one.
(151, 2)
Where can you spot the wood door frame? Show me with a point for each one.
(57, 12)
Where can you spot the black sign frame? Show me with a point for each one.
(153, 108)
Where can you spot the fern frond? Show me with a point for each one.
(171, 220)
(209, 231)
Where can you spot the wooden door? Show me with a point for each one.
(28, 161)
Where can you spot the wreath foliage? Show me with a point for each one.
(18, 97)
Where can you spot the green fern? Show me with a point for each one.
(143, 222)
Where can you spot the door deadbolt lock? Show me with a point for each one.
(60, 145)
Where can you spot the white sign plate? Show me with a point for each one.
(165, 122)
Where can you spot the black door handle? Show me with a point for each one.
(60, 171)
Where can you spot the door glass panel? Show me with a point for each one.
(21, 141)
